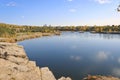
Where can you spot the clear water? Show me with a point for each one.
(76, 54)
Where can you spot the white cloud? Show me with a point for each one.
(11, 4)
(72, 10)
(103, 1)
(70, 0)
(75, 58)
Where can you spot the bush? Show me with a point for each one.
(6, 32)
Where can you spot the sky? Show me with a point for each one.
(60, 12)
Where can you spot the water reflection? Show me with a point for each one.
(76, 54)
(75, 58)
(74, 47)
(119, 60)
(90, 36)
(116, 71)
(102, 56)
(111, 36)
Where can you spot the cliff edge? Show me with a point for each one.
(15, 65)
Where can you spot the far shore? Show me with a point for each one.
(25, 36)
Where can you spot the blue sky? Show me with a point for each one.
(59, 12)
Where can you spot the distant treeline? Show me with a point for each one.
(107, 28)
(9, 30)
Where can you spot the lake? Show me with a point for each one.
(76, 54)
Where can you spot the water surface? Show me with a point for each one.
(76, 54)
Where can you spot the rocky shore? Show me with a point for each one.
(15, 65)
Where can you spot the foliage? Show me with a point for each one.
(8, 30)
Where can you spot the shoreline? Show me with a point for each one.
(45, 70)
(15, 65)
(25, 36)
